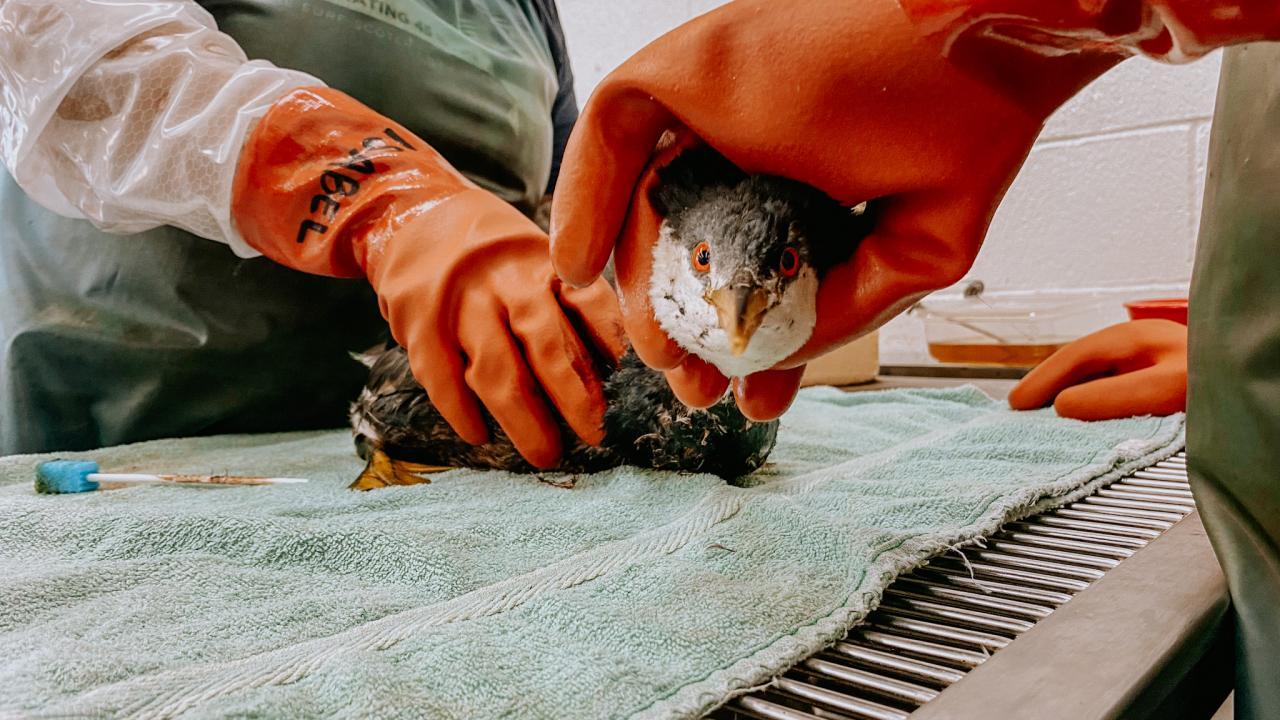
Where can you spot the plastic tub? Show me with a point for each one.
(1174, 309)
(1005, 332)
(853, 364)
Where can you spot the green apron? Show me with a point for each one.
(108, 339)
(1233, 420)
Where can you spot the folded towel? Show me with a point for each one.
(486, 594)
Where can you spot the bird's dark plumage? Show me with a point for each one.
(645, 426)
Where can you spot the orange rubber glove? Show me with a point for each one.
(1134, 368)
(327, 186)
(847, 97)
(923, 105)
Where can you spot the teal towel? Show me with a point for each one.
(483, 595)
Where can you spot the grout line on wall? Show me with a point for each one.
(1069, 139)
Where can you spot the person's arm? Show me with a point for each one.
(130, 114)
(927, 107)
(137, 114)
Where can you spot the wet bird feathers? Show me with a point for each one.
(401, 434)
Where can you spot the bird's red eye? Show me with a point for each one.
(789, 263)
(702, 258)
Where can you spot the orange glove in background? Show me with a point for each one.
(327, 186)
(1134, 368)
(917, 104)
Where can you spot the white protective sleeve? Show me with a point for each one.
(130, 113)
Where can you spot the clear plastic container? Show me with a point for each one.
(1018, 332)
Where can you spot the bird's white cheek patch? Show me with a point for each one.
(677, 296)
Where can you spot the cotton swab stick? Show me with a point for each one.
(77, 476)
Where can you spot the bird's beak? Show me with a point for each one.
(741, 310)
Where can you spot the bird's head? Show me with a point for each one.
(739, 259)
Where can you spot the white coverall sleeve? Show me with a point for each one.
(130, 113)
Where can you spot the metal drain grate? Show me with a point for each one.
(946, 618)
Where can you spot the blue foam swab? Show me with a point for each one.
(77, 476)
(66, 476)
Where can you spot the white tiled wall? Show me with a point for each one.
(603, 33)
(1108, 201)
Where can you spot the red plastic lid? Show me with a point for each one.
(1174, 309)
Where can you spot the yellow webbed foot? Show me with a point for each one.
(381, 471)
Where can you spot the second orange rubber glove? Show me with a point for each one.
(1134, 368)
(327, 186)
(845, 96)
